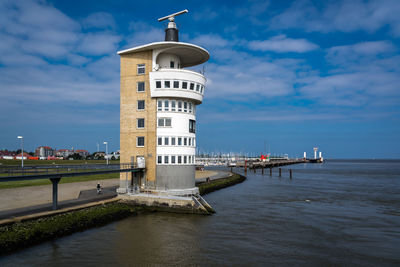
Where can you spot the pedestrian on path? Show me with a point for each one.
(98, 188)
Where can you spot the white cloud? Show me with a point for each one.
(282, 44)
(37, 40)
(343, 15)
(99, 43)
(100, 20)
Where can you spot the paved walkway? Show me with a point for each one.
(32, 199)
(14, 198)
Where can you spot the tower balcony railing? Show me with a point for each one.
(179, 83)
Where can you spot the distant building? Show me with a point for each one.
(83, 153)
(65, 153)
(5, 154)
(44, 152)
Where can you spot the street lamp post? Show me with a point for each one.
(22, 150)
(106, 151)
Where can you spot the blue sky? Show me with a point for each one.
(291, 74)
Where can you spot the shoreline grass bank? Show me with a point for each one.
(213, 185)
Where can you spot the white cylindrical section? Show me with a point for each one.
(320, 154)
(305, 155)
(177, 83)
(168, 61)
(315, 154)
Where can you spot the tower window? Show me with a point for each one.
(140, 123)
(140, 87)
(164, 122)
(179, 159)
(166, 159)
(172, 159)
(159, 159)
(192, 126)
(184, 85)
(179, 141)
(197, 87)
(185, 159)
(166, 141)
(172, 141)
(172, 64)
(184, 106)
(179, 106)
(191, 86)
(190, 107)
(141, 69)
(140, 141)
(185, 141)
(159, 141)
(166, 105)
(158, 84)
(176, 84)
(167, 84)
(173, 103)
(140, 104)
(159, 105)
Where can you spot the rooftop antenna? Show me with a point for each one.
(171, 32)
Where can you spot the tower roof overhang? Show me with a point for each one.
(189, 54)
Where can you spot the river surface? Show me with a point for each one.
(336, 213)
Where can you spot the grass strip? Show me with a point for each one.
(14, 184)
(213, 185)
(28, 233)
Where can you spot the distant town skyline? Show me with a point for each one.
(284, 76)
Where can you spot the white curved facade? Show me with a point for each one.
(177, 83)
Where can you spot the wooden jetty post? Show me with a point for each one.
(290, 172)
(280, 172)
(270, 171)
(245, 167)
(262, 169)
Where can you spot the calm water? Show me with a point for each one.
(336, 213)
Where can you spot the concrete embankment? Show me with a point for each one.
(24, 231)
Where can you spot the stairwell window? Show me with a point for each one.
(185, 106)
(179, 159)
(159, 141)
(158, 84)
(140, 104)
(166, 105)
(140, 123)
(140, 87)
(179, 106)
(172, 159)
(172, 141)
(166, 159)
(140, 141)
(167, 84)
(184, 85)
(141, 69)
(166, 141)
(176, 84)
(173, 104)
(179, 141)
(172, 64)
(159, 105)
(159, 159)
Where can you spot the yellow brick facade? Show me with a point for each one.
(129, 114)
